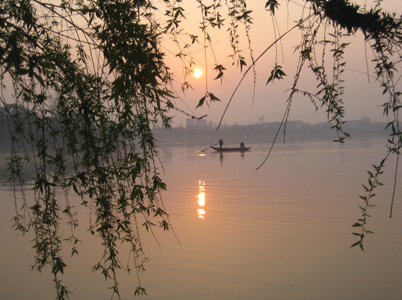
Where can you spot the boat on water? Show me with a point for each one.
(231, 149)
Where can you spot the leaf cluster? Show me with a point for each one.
(85, 102)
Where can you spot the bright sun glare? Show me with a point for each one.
(197, 73)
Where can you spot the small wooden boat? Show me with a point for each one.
(231, 149)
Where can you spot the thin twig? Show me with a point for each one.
(256, 60)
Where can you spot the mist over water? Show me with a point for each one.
(282, 232)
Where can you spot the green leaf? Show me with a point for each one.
(213, 97)
(242, 64)
(276, 73)
(201, 102)
(356, 244)
(219, 69)
(272, 5)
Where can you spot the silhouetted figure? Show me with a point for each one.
(220, 143)
(242, 148)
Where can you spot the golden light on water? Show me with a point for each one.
(201, 199)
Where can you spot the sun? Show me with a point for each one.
(197, 73)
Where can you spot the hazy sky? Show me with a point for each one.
(362, 97)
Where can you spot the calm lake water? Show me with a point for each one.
(283, 232)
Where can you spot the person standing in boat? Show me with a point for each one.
(220, 143)
(242, 147)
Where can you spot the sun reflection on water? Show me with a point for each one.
(201, 199)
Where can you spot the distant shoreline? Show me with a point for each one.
(295, 131)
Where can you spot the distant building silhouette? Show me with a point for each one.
(190, 123)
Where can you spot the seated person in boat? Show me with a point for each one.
(220, 143)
